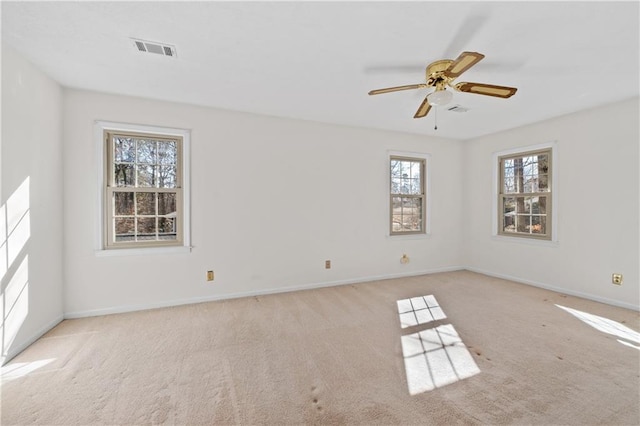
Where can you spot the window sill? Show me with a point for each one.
(409, 236)
(528, 241)
(143, 251)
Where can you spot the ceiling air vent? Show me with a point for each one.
(458, 108)
(155, 47)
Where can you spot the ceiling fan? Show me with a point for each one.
(441, 74)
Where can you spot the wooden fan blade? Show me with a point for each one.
(487, 89)
(423, 110)
(397, 89)
(465, 61)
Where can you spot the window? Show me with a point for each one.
(143, 197)
(407, 195)
(524, 194)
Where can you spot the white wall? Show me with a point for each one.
(272, 199)
(598, 215)
(30, 204)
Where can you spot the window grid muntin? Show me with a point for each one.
(418, 194)
(509, 161)
(138, 215)
(138, 164)
(110, 219)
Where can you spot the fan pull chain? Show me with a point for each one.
(436, 118)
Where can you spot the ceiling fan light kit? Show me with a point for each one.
(439, 98)
(442, 73)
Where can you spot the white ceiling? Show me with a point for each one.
(317, 60)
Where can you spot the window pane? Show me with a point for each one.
(415, 170)
(166, 203)
(396, 169)
(124, 150)
(167, 177)
(167, 228)
(530, 166)
(146, 151)
(520, 205)
(412, 223)
(124, 229)
(509, 206)
(123, 175)
(508, 171)
(146, 203)
(523, 222)
(509, 214)
(509, 223)
(168, 152)
(123, 203)
(416, 186)
(414, 204)
(146, 228)
(396, 202)
(397, 223)
(543, 163)
(396, 183)
(542, 205)
(536, 207)
(518, 167)
(509, 185)
(404, 168)
(407, 214)
(146, 176)
(538, 225)
(396, 212)
(405, 186)
(543, 183)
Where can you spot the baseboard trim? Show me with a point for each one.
(311, 286)
(15, 350)
(556, 289)
(227, 296)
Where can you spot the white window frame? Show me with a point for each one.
(100, 128)
(426, 209)
(553, 215)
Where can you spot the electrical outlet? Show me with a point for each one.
(209, 275)
(616, 279)
(327, 264)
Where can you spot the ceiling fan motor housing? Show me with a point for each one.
(436, 76)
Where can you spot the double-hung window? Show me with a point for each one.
(524, 195)
(407, 195)
(143, 192)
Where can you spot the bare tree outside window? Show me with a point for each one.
(143, 190)
(407, 195)
(525, 194)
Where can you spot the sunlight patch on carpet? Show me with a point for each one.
(419, 310)
(436, 357)
(605, 325)
(20, 369)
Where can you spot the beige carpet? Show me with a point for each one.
(335, 356)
